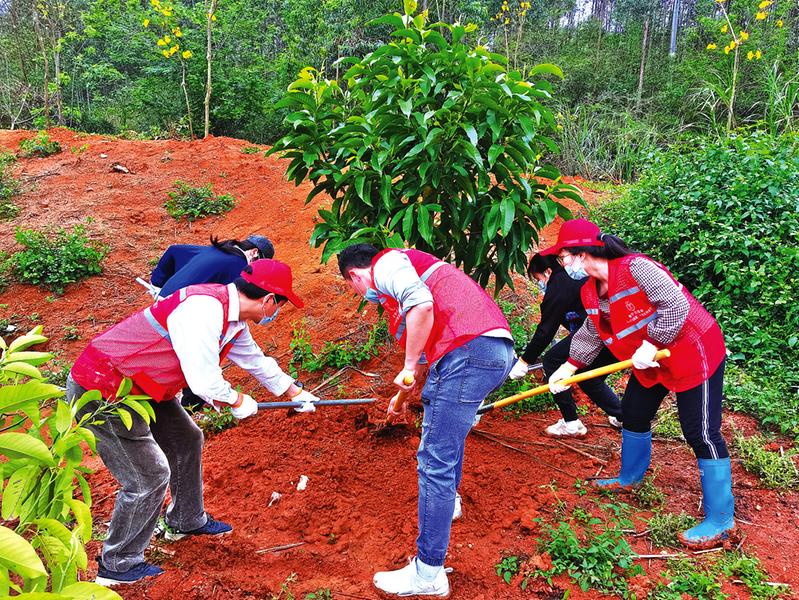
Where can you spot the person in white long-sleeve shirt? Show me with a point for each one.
(179, 341)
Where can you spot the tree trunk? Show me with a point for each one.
(731, 111)
(12, 13)
(208, 56)
(675, 24)
(40, 39)
(641, 69)
(59, 103)
(186, 95)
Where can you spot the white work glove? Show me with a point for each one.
(519, 370)
(307, 399)
(644, 357)
(564, 371)
(247, 408)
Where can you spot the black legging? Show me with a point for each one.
(699, 411)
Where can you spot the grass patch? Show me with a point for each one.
(39, 146)
(9, 187)
(668, 424)
(664, 527)
(647, 494)
(775, 469)
(769, 398)
(196, 202)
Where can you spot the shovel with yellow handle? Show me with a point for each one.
(543, 389)
(397, 400)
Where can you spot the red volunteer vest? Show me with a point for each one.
(139, 347)
(462, 310)
(696, 352)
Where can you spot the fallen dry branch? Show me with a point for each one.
(279, 548)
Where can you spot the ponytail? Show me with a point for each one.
(613, 247)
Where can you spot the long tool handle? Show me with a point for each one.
(342, 402)
(542, 389)
(400, 397)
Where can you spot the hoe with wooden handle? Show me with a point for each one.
(542, 389)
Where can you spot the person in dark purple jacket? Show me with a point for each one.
(562, 306)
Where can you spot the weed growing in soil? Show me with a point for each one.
(71, 333)
(738, 565)
(664, 527)
(39, 146)
(211, 421)
(320, 594)
(284, 593)
(196, 202)
(647, 494)
(600, 560)
(9, 187)
(667, 424)
(771, 399)
(775, 469)
(686, 578)
(250, 150)
(334, 354)
(56, 259)
(57, 372)
(507, 567)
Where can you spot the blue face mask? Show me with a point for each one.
(542, 285)
(266, 320)
(576, 270)
(372, 296)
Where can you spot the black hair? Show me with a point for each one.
(252, 291)
(614, 248)
(235, 246)
(357, 256)
(540, 263)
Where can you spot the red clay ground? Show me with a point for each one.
(358, 513)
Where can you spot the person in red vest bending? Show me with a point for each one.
(434, 309)
(636, 307)
(177, 342)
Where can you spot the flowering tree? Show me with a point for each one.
(165, 24)
(730, 24)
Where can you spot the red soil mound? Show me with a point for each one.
(358, 513)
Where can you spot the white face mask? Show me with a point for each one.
(267, 319)
(576, 270)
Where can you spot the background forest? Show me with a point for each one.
(638, 73)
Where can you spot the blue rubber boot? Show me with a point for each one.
(718, 504)
(636, 452)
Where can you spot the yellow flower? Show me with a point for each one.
(560, 126)
(732, 45)
(146, 22)
(165, 53)
(174, 49)
(727, 49)
(764, 4)
(744, 36)
(161, 43)
(758, 55)
(167, 39)
(213, 17)
(724, 29)
(779, 22)
(711, 46)
(507, 21)
(750, 55)
(187, 54)
(760, 16)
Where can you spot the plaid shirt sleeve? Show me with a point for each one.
(667, 298)
(586, 345)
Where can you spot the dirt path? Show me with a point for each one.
(358, 513)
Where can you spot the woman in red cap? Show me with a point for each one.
(636, 307)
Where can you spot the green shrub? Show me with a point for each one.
(508, 567)
(664, 527)
(211, 421)
(723, 217)
(196, 202)
(770, 398)
(56, 259)
(334, 354)
(9, 187)
(748, 569)
(40, 146)
(686, 578)
(46, 498)
(774, 469)
(429, 140)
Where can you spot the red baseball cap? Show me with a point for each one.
(577, 232)
(272, 276)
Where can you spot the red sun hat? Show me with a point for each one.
(272, 276)
(577, 232)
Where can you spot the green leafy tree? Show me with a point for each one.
(42, 475)
(428, 141)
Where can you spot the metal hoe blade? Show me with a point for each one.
(342, 402)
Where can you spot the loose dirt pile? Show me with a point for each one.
(358, 513)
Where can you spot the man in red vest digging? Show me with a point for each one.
(177, 342)
(436, 309)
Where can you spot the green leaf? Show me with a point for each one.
(124, 415)
(63, 417)
(90, 396)
(83, 516)
(124, 387)
(547, 68)
(494, 152)
(12, 397)
(25, 341)
(22, 445)
(406, 106)
(471, 133)
(508, 211)
(88, 589)
(17, 555)
(32, 358)
(21, 368)
(425, 223)
(17, 490)
(138, 408)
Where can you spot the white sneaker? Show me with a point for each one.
(562, 428)
(614, 422)
(406, 582)
(457, 512)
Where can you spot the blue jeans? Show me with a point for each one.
(456, 385)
